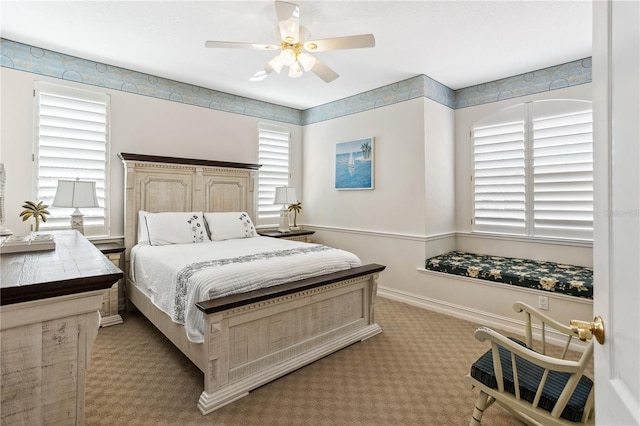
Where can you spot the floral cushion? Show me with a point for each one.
(549, 276)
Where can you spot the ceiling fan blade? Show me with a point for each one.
(288, 21)
(262, 74)
(324, 72)
(339, 43)
(239, 45)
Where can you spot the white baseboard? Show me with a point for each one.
(480, 318)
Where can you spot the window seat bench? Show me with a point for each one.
(539, 275)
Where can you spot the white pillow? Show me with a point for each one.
(230, 225)
(175, 228)
(143, 234)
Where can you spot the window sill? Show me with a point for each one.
(527, 239)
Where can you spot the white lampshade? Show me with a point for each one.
(294, 70)
(75, 193)
(277, 64)
(285, 195)
(288, 57)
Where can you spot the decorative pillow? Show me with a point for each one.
(175, 228)
(230, 225)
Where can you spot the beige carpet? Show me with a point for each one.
(411, 374)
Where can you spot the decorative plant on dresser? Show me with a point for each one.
(295, 208)
(37, 211)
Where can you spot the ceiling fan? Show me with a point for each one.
(294, 46)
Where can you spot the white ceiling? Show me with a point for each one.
(458, 43)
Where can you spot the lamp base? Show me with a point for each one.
(77, 221)
(284, 220)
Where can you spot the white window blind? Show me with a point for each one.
(534, 175)
(563, 175)
(273, 155)
(499, 182)
(72, 133)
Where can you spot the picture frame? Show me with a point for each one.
(354, 166)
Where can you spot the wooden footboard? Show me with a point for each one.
(254, 338)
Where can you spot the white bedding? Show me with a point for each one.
(177, 276)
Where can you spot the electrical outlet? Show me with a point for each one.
(543, 303)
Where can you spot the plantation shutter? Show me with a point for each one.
(533, 170)
(499, 177)
(563, 175)
(72, 142)
(273, 155)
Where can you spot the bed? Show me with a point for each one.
(251, 338)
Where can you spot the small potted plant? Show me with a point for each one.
(295, 208)
(37, 211)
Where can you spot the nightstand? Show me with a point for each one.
(299, 235)
(109, 310)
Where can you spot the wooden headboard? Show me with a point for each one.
(169, 184)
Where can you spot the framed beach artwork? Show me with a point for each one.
(354, 164)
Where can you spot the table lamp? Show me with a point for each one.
(76, 193)
(285, 195)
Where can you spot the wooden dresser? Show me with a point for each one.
(49, 319)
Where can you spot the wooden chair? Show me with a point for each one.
(537, 388)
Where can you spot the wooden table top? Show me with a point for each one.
(75, 266)
(292, 233)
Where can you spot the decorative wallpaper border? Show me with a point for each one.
(543, 80)
(35, 60)
(415, 87)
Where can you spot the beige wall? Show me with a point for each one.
(412, 206)
(140, 125)
(397, 203)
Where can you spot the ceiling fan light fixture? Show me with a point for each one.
(296, 51)
(294, 70)
(277, 64)
(307, 61)
(288, 57)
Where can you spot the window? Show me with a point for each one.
(533, 170)
(273, 155)
(71, 141)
